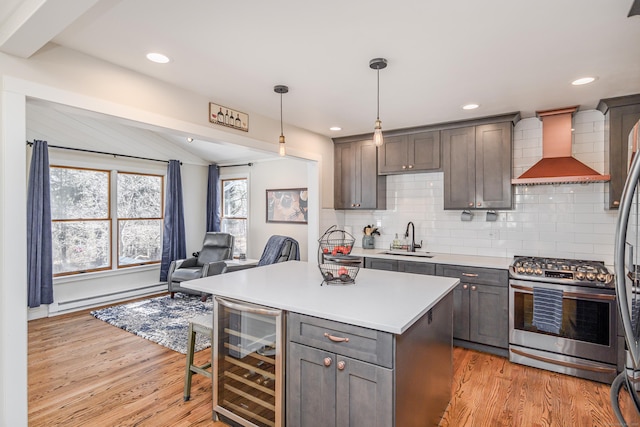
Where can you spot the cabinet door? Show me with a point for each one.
(461, 311)
(458, 163)
(493, 166)
(364, 394)
(620, 121)
(392, 156)
(344, 175)
(371, 191)
(489, 317)
(381, 264)
(417, 267)
(423, 151)
(311, 387)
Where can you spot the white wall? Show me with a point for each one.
(565, 220)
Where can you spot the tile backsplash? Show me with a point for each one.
(564, 220)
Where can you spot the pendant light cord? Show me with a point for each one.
(281, 129)
(378, 116)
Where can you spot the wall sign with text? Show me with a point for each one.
(225, 116)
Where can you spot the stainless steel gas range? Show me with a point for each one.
(562, 317)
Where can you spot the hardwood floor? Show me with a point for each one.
(83, 372)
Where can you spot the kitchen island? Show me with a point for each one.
(396, 366)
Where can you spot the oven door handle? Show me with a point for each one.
(583, 295)
(564, 363)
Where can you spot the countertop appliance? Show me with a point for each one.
(626, 404)
(584, 342)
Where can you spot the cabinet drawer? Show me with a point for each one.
(363, 344)
(417, 267)
(486, 276)
(381, 264)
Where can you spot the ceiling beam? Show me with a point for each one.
(35, 22)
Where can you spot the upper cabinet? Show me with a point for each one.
(357, 184)
(621, 114)
(477, 168)
(411, 153)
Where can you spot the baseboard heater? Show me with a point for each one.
(62, 307)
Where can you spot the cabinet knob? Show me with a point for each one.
(479, 204)
(470, 204)
(358, 205)
(327, 361)
(474, 287)
(353, 205)
(465, 286)
(616, 203)
(410, 166)
(404, 167)
(341, 365)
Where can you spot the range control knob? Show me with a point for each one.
(601, 277)
(521, 270)
(591, 276)
(529, 270)
(538, 271)
(580, 275)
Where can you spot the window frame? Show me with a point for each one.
(113, 219)
(236, 177)
(117, 219)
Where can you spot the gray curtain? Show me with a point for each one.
(213, 201)
(39, 253)
(173, 240)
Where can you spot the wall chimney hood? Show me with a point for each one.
(557, 165)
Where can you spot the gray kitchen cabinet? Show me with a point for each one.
(480, 307)
(348, 376)
(477, 164)
(357, 184)
(381, 264)
(403, 266)
(410, 153)
(621, 114)
(417, 267)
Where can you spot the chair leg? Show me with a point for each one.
(189, 373)
(173, 294)
(204, 297)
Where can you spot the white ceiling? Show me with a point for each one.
(505, 55)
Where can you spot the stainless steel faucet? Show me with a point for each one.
(414, 245)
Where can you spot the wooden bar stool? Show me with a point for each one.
(197, 325)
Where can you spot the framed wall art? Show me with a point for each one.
(288, 205)
(228, 117)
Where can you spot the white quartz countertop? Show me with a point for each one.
(381, 300)
(438, 258)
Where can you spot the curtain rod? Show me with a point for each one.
(233, 166)
(103, 152)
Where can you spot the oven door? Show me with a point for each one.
(588, 329)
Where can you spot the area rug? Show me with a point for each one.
(162, 320)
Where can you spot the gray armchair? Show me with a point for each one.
(216, 247)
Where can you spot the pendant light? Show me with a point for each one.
(281, 89)
(378, 64)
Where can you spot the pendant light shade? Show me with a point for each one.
(378, 64)
(281, 89)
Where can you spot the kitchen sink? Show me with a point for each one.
(410, 254)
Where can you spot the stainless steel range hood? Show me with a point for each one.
(557, 164)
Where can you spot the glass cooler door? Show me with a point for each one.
(248, 360)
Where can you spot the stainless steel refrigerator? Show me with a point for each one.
(625, 389)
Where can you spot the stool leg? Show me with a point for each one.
(188, 373)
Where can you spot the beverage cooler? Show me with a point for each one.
(248, 362)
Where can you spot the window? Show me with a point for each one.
(139, 219)
(234, 212)
(83, 219)
(81, 224)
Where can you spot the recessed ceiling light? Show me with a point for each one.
(583, 81)
(336, 128)
(157, 57)
(470, 106)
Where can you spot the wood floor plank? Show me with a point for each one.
(83, 371)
